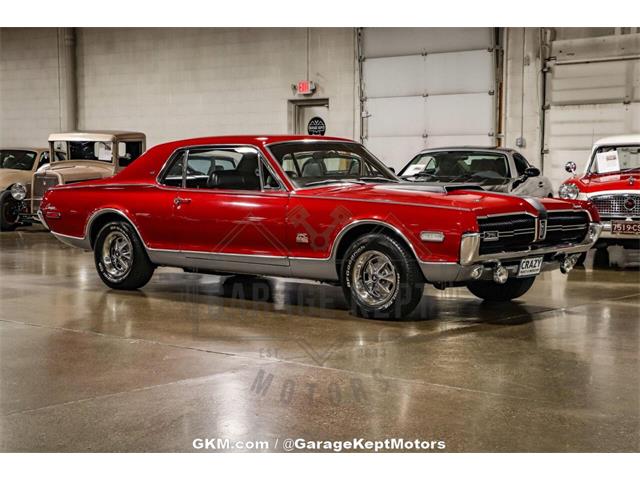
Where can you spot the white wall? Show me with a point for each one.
(29, 86)
(175, 83)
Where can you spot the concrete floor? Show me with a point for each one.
(83, 368)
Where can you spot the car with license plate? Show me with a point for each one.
(77, 157)
(611, 181)
(319, 209)
(493, 168)
(17, 166)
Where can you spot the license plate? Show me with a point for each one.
(625, 227)
(530, 266)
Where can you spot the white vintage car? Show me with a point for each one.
(611, 180)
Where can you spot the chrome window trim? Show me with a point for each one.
(261, 154)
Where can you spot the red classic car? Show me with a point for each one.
(611, 181)
(322, 209)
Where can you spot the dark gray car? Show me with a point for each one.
(492, 168)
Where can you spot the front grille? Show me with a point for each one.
(506, 233)
(41, 183)
(566, 227)
(617, 205)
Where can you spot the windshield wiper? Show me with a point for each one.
(630, 169)
(382, 179)
(334, 180)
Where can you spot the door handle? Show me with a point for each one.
(179, 201)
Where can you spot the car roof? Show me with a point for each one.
(468, 148)
(96, 135)
(258, 140)
(633, 138)
(31, 149)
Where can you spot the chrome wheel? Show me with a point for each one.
(117, 254)
(374, 278)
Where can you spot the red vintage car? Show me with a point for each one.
(611, 180)
(322, 209)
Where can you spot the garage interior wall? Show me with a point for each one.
(566, 88)
(35, 96)
(427, 87)
(176, 83)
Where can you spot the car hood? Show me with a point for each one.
(490, 184)
(455, 196)
(78, 171)
(10, 176)
(608, 181)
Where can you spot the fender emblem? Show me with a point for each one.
(302, 238)
(491, 236)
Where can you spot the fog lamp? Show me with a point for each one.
(476, 272)
(18, 192)
(568, 263)
(500, 274)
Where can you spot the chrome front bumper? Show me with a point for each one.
(470, 258)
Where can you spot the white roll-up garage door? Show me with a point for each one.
(592, 91)
(426, 87)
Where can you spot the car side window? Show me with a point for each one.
(172, 176)
(521, 163)
(44, 159)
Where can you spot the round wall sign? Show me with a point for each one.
(316, 126)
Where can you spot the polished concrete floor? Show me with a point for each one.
(83, 368)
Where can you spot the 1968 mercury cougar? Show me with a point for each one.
(321, 209)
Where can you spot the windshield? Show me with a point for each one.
(613, 159)
(457, 166)
(17, 159)
(317, 163)
(101, 151)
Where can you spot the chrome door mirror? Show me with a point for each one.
(570, 167)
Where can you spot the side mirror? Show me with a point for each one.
(393, 170)
(570, 167)
(532, 172)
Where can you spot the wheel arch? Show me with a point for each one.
(360, 228)
(101, 217)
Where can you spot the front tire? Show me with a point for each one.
(494, 292)
(121, 259)
(8, 212)
(380, 278)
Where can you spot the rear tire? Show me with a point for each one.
(121, 259)
(494, 292)
(381, 278)
(8, 220)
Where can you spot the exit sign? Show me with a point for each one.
(306, 87)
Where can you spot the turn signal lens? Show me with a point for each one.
(432, 237)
